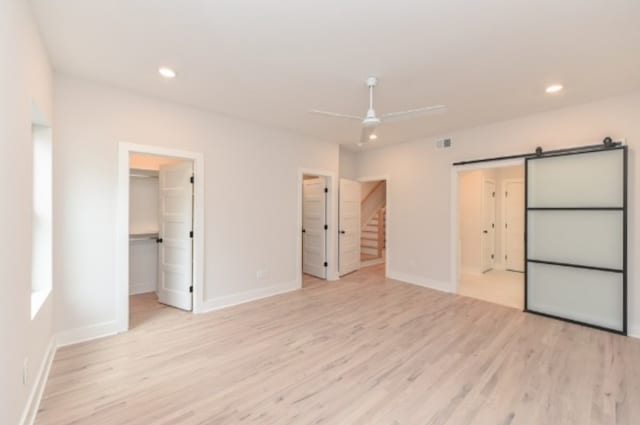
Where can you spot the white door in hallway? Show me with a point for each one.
(514, 225)
(176, 224)
(349, 239)
(314, 233)
(488, 224)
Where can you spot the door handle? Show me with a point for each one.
(485, 231)
(342, 232)
(304, 231)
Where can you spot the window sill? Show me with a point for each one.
(37, 300)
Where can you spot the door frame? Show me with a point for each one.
(387, 248)
(332, 226)
(122, 225)
(455, 198)
(503, 213)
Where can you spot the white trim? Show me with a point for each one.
(634, 330)
(122, 226)
(388, 210)
(332, 223)
(420, 281)
(87, 333)
(455, 170)
(142, 288)
(33, 401)
(247, 296)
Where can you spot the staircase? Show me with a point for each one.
(372, 239)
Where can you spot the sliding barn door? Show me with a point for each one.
(576, 237)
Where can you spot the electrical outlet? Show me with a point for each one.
(25, 371)
(262, 274)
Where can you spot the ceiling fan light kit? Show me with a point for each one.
(371, 121)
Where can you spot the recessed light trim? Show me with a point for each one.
(554, 88)
(372, 137)
(166, 72)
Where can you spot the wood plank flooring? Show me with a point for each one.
(363, 350)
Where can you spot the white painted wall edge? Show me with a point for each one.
(247, 296)
(420, 281)
(33, 401)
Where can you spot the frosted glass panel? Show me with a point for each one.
(591, 238)
(586, 296)
(583, 180)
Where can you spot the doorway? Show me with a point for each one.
(490, 223)
(373, 237)
(160, 232)
(160, 235)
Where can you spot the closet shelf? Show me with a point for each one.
(143, 236)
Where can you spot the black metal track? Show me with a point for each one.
(576, 266)
(556, 152)
(576, 322)
(575, 208)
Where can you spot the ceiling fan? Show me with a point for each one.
(371, 121)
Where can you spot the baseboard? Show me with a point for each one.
(142, 288)
(634, 330)
(243, 297)
(87, 333)
(33, 402)
(420, 281)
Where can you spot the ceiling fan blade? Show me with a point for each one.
(413, 113)
(335, 115)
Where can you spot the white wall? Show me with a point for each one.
(25, 77)
(419, 238)
(251, 196)
(347, 164)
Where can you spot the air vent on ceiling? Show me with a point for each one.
(443, 143)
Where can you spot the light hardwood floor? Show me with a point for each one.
(363, 350)
(496, 286)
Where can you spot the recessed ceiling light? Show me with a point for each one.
(555, 88)
(372, 137)
(166, 72)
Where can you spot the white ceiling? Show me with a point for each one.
(272, 61)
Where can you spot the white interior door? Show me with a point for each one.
(488, 224)
(176, 224)
(514, 225)
(349, 211)
(314, 232)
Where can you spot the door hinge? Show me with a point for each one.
(492, 256)
(493, 194)
(505, 257)
(326, 227)
(191, 234)
(506, 194)
(326, 190)
(505, 225)
(192, 179)
(326, 264)
(158, 240)
(493, 225)
(191, 289)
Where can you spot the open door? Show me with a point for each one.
(349, 211)
(514, 225)
(175, 238)
(314, 231)
(488, 225)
